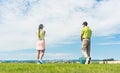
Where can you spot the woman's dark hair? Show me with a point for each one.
(85, 23)
(40, 27)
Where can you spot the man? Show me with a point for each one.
(85, 38)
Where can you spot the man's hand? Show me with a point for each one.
(81, 39)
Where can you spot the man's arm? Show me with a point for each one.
(81, 37)
(82, 32)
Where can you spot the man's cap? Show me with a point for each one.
(84, 23)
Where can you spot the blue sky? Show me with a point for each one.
(19, 20)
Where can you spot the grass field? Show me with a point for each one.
(58, 68)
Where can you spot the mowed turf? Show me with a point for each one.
(58, 68)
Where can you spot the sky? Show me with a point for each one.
(19, 20)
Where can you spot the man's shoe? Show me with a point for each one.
(89, 60)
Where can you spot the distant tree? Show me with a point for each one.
(110, 59)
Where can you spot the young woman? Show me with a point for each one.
(40, 44)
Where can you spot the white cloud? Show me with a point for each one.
(17, 56)
(106, 17)
(60, 56)
(110, 43)
(62, 19)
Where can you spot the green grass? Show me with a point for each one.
(58, 68)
